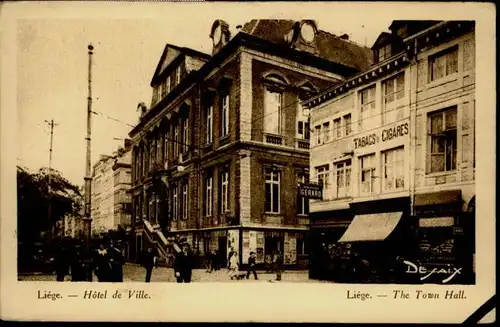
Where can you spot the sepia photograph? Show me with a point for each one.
(299, 150)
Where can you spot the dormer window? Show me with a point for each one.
(384, 52)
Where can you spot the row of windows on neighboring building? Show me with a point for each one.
(392, 168)
(392, 106)
(175, 140)
(179, 196)
(442, 156)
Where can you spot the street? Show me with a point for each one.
(136, 273)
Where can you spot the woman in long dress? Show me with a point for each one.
(233, 265)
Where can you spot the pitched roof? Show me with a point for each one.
(180, 51)
(329, 46)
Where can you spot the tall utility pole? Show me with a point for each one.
(49, 189)
(88, 177)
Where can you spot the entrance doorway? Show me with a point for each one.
(222, 250)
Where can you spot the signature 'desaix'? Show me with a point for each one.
(426, 273)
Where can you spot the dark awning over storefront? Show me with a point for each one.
(437, 198)
(371, 227)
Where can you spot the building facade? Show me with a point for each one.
(227, 142)
(393, 148)
(111, 200)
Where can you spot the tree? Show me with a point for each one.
(33, 201)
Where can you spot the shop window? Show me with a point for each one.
(224, 189)
(272, 190)
(343, 174)
(302, 202)
(271, 245)
(443, 141)
(272, 112)
(225, 115)
(206, 245)
(393, 167)
(209, 120)
(367, 171)
(347, 125)
(208, 195)
(302, 248)
(443, 64)
(366, 100)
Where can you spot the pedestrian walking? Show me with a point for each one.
(77, 264)
(231, 252)
(61, 261)
(252, 266)
(233, 265)
(117, 261)
(149, 261)
(102, 265)
(215, 260)
(209, 262)
(183, 266)
(278, 264)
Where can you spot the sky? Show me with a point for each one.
(52, 68)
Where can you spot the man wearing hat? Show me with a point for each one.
(183, 266)
(251, 265)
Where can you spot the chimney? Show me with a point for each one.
(127, 143)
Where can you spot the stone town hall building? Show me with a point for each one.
(228, 137)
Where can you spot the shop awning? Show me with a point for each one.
(437, 198)
(371, 227)
(436, 222)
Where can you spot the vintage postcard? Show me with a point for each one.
(285, 162)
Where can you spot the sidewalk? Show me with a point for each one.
(135, 273)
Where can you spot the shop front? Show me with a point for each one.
(327, 256)
(380, 235)
(446, 238)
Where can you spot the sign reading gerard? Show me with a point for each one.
(386, 134)
(311, 191)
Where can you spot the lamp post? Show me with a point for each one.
(87, 220)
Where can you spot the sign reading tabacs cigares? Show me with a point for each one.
(311, 191)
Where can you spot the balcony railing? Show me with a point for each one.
(302, 144)
(274, 139)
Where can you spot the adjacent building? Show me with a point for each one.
(111, 201)
(218, 156)
(393, 149)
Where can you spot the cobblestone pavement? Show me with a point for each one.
(136, 273)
